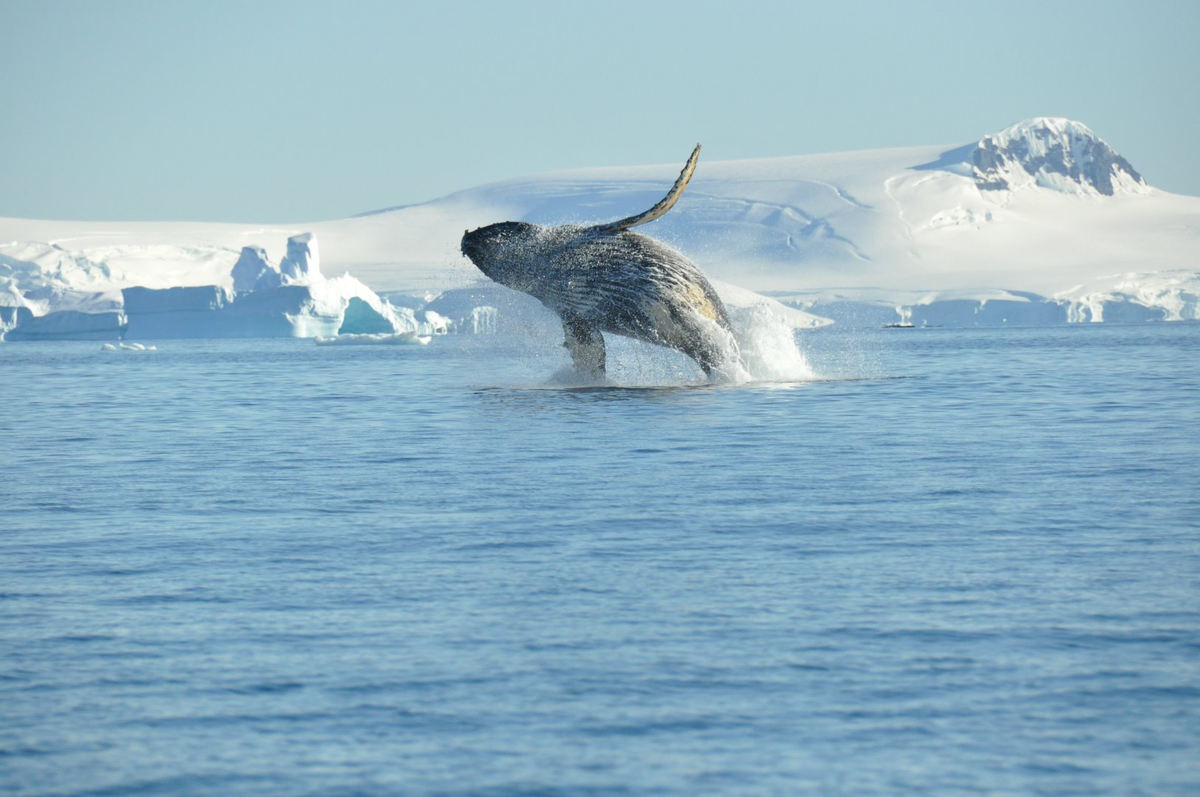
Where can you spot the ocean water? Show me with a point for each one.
(958, 561)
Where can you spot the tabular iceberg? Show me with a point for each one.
(71, 325)
(256, 299)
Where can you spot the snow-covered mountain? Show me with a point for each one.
(1055, 153)
(1039, 223)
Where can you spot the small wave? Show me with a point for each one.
(265, 688)
(370, 339)
(123, 346)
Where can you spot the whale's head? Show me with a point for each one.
(505, 251)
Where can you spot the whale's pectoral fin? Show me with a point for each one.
(586, 345)
(664, 204)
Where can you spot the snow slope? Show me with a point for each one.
(1043, 220)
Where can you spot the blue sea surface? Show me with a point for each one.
(961, 561)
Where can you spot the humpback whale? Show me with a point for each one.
(605, 278)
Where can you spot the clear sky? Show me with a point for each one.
(296, 111)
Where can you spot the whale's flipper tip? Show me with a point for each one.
(663, 205)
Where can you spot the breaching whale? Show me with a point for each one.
(606, 278)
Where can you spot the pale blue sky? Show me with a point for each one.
(300, 111)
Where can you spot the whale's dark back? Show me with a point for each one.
(613, 280)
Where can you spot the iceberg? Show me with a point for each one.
(253, 272)
(174, 312)
(11, 317)
(261, 305)
(365, 339)
(362, 319)
(208, 312)
(70, 325)
(302, 263)
(127, 347)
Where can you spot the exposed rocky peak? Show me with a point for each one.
(1054, 153)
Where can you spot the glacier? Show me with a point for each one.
(1040, 223)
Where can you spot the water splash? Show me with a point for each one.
(767, 342)
(528, 339)
(764, 351)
